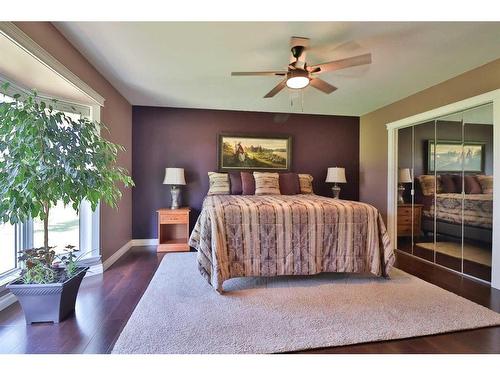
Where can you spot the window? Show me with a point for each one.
(7, 248)
(8, 243)
(64, 222)
(66, 227)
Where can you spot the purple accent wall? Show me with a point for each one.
(187, 138)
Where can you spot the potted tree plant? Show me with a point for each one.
(47, 157)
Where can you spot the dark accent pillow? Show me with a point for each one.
(448, 184)
(471, 185)
(247, 183)
(235, 179)
(289, 183)
(457, 179)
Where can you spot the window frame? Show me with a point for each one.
(89, 225)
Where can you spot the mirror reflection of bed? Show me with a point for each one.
(445, 213)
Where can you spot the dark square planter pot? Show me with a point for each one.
(48, 302)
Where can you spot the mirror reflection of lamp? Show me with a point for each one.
(404, 177)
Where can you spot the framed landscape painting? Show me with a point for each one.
(254, 152)
(451, 156)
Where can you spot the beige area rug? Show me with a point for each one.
(181, 313)
(473, 253)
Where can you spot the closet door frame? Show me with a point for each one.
(492, 97)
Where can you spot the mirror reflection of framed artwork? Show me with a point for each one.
(451, 156)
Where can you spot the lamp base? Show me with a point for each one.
(401, 190)
(175, 191)
(336, 191)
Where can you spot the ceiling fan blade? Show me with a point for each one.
(272, 73)
(322, 85)
(280, 86)
(341, 64)
(297, 42)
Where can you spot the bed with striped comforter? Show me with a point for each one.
(248, 235)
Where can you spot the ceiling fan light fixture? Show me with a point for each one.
(299, 74)
(297, 82)
(297, 79)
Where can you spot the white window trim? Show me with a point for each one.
(89, 224)
(62, 105)
(15, 34)
(392, 165)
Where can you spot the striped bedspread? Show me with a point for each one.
(247, 235)
(477, 209)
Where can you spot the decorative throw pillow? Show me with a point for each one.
(471, 185)
(305, 181)
(486, 183)
(219, 183)
(289, 184)
(247, 183)
(428, 184)
(457, 179)
(235, 179)
(267, 183)
(448, 184)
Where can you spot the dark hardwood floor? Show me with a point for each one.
(106, 302)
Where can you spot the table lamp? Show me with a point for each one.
(336, 175)
(404, 177)
(175, 178)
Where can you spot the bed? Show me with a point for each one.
(447, 207)
(304, 234)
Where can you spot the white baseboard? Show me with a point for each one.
(125, 248)
(145, 242)
(117, 255)
(95, 269)
(7, 300)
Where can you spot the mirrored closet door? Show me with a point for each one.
(445, 191)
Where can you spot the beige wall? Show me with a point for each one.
(116, 225)
(373, 134)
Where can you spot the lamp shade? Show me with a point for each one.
(336, 174)
(174, 176)
(404, 176)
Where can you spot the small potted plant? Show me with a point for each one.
(49, 283)
(47, 157)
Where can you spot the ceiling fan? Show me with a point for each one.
(299, 75)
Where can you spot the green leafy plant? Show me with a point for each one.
(70, 261)
(46, 156)
(38, 265)
(39, 274)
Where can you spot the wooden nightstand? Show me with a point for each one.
(173, 229)
(404, 220)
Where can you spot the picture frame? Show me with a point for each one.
(449, 156)
(240, 152)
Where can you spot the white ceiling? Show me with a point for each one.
(22, 69)
(188, 64)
